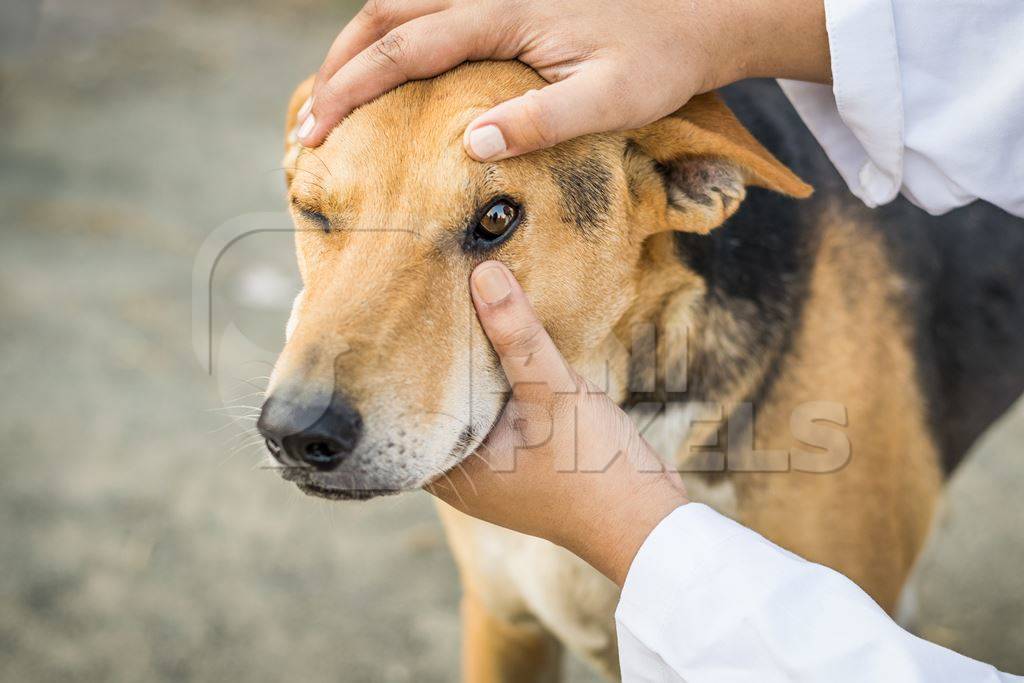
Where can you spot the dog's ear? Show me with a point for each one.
(704, 159)
(291, 143)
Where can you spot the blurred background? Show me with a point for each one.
(139, 538)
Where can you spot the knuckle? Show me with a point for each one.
(537, 126)
(522, 340)
(390, 50)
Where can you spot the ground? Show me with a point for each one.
(141, 541)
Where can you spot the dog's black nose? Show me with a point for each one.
(297, 433)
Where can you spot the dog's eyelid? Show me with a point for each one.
(304, 206)
(312, 215)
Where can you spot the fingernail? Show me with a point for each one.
(307, 107)
(293, 135)
(307, 127)
(487, 142)
(491, 284)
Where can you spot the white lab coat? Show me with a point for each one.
(927, 100)
(707, 599)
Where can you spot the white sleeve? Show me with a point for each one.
(707, 599)
(927, 100)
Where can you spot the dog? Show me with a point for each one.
(815, 368)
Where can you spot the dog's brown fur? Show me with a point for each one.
(597, 256)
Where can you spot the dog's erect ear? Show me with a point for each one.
(291, 143)
(705, 159)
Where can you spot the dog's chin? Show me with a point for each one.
(317, 491)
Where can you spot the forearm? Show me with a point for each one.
(610, 543)
(769, 39)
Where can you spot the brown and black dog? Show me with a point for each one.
(818, 367)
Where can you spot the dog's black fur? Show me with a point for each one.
(964, 301)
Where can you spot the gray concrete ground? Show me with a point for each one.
(140, 541)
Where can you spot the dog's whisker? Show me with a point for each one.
(234, 421)
(244, 432)
(249, 395)
(458, 494)
(252, 383)
(469, 479)
(243, 424)
(232, 418)
(246, 440)
(236, 403)
(259, 360)
(455, 489)
(243, 427)
(225, 409)
(243, 446)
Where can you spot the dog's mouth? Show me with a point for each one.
(303, 480)
(344, 494)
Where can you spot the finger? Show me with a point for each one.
(421, 48)
(373, 22)
(583, 103)
(530, 359)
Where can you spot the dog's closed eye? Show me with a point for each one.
(318, 219)
(312, 217)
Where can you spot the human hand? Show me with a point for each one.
(563, 462)
(612, 64)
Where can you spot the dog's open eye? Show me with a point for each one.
(497, 220)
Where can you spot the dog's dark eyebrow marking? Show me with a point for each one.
(585, 191)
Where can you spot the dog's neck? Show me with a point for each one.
(693, 337)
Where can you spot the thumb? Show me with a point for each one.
(543, 118)
(528, 356)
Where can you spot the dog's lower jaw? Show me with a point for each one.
(304, 480)
(346, 494)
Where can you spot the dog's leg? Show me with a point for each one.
(495, 650)
(501, 639)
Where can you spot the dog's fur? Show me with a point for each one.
(898, 330)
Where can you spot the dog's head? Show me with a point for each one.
(386, 380)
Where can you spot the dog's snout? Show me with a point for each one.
(297, 434)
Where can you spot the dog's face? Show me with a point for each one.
(386, 380)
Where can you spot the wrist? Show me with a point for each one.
(771, 39)
(616, 536)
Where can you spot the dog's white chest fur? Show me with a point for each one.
(562, 592)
